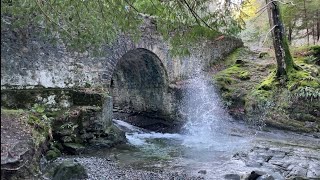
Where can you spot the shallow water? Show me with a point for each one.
(209, 143)
(205, 138)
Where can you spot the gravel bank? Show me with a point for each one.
(102, 169)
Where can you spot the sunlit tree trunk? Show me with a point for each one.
(280, 44)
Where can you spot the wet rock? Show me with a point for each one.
(73, 148)
(69, 170)
(265, 177)
(232, 177)
(314, 170)
(115, 134)
(254, 164)
(297, 170)
(254, 175)
(100, 142)
(240, 155)
(52, 155)
(87, 136)
(202, 172)
(298, 178)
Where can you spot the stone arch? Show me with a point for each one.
(139, 83)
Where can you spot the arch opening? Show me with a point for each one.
(139, 84)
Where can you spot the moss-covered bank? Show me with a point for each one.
(251, 92)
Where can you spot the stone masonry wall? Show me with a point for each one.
(34, 61)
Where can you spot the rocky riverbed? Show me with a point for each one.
(248, 154)
(104, 168)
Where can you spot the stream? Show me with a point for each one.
(211, 145)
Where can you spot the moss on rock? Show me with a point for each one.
(52, 155)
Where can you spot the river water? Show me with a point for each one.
(211, 144)
(206, 140)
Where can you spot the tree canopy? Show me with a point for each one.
(302, 19)
(83, 23)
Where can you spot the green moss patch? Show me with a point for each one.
(269, 83)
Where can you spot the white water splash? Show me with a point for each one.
(206, 119)
(207, 123)
(138, 136)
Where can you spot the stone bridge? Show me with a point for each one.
(137, 74)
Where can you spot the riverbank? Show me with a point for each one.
(250, 92)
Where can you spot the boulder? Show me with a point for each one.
(52, 154)
(68, 170)
(232, 177)
(73, 148)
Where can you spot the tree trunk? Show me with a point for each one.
(280, 44)
(314, 33)
(318, 25)
(290, 33)
(306, 19)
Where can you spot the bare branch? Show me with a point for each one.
(154, 5)
(132, 6)
(196, 16)
(192, 12)
(264, 41)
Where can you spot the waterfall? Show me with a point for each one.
(206, 120)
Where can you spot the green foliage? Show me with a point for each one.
(301, 78)
(235, 71)
(308, 93)
(315, 50)
(298, 11)
(52, 155)
(88, 25)
(12, 111)
(69, 125)
(268, 83)
(310, 59)
(244, 75)
(38, 108)
(188, 36)
(41, 124)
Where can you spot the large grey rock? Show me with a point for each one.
(115, 135)
(232, 177)
(73, 148)
(69, 170)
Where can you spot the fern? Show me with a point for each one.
(307, 93)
